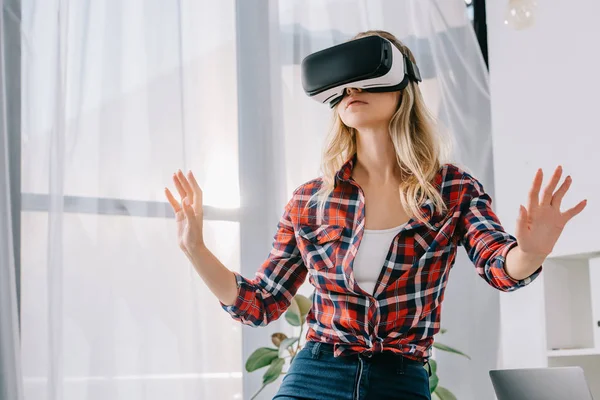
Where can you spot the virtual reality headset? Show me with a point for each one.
(371, 63)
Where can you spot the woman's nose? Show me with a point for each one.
(350, 90)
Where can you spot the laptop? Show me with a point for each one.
(541, 384)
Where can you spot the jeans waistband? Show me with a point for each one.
(317, 348)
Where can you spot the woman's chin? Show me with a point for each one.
(361, 124)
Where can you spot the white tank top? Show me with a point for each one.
(371, 255)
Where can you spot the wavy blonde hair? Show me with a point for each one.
(419, 147)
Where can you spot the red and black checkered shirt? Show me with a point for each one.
(403, 313)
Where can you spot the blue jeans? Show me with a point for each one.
(316, 374)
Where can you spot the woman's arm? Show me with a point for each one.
(519, 265)
(487, 243)
(265, 297)
(254, 302)
(219, 279)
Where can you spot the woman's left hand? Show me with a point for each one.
(540, 224)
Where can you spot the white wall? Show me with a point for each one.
(544, 86)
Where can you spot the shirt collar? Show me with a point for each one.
(430, 220)
(345, 172)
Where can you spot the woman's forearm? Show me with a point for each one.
(520, 265)
(220, 280)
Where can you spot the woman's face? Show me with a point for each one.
(366, 110)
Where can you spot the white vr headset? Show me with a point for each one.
(371, 63)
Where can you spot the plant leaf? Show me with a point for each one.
(277, 338)
(433, 365)
(442, 331)
(304, 304)
(433, 382)
(449, 349)
(285, 344)
(274, 371)
(292, 315)
(261, 357)
(444, 394)
(433, 379)
(434, 396)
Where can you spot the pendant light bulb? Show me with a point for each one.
(520, 14)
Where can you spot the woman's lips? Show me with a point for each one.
(355, 102)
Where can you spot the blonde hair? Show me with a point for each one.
(419, 148)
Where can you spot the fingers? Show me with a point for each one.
(197, 191)
(521, 222)
(534, 192)
(186, 186)
(179, 186)
(549, 189)
(174, 203)
(560, 193)
(193, 183)
(188, 210)
(570, 213)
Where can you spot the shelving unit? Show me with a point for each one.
(557, 318)
(572, 306)
(574, 352)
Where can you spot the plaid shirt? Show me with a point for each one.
(403, 313)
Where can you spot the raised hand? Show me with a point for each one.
(188, 212)
(540, 224)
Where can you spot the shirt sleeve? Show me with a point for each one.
(265, 297)
(485, 240)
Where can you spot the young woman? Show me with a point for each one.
(377, 235)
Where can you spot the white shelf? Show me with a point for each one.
(569, 305)
(555, 322)
(574, 352)
(572, 308)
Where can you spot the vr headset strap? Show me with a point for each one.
(412, 70)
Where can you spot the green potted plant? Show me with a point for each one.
(285, 347)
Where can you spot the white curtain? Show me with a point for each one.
(119, 94)
(11, 384)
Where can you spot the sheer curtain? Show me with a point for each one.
(11, 385)
(117, 95)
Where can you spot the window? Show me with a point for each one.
(109, 301)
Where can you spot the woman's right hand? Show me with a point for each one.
(189, 216)
(188, 213)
